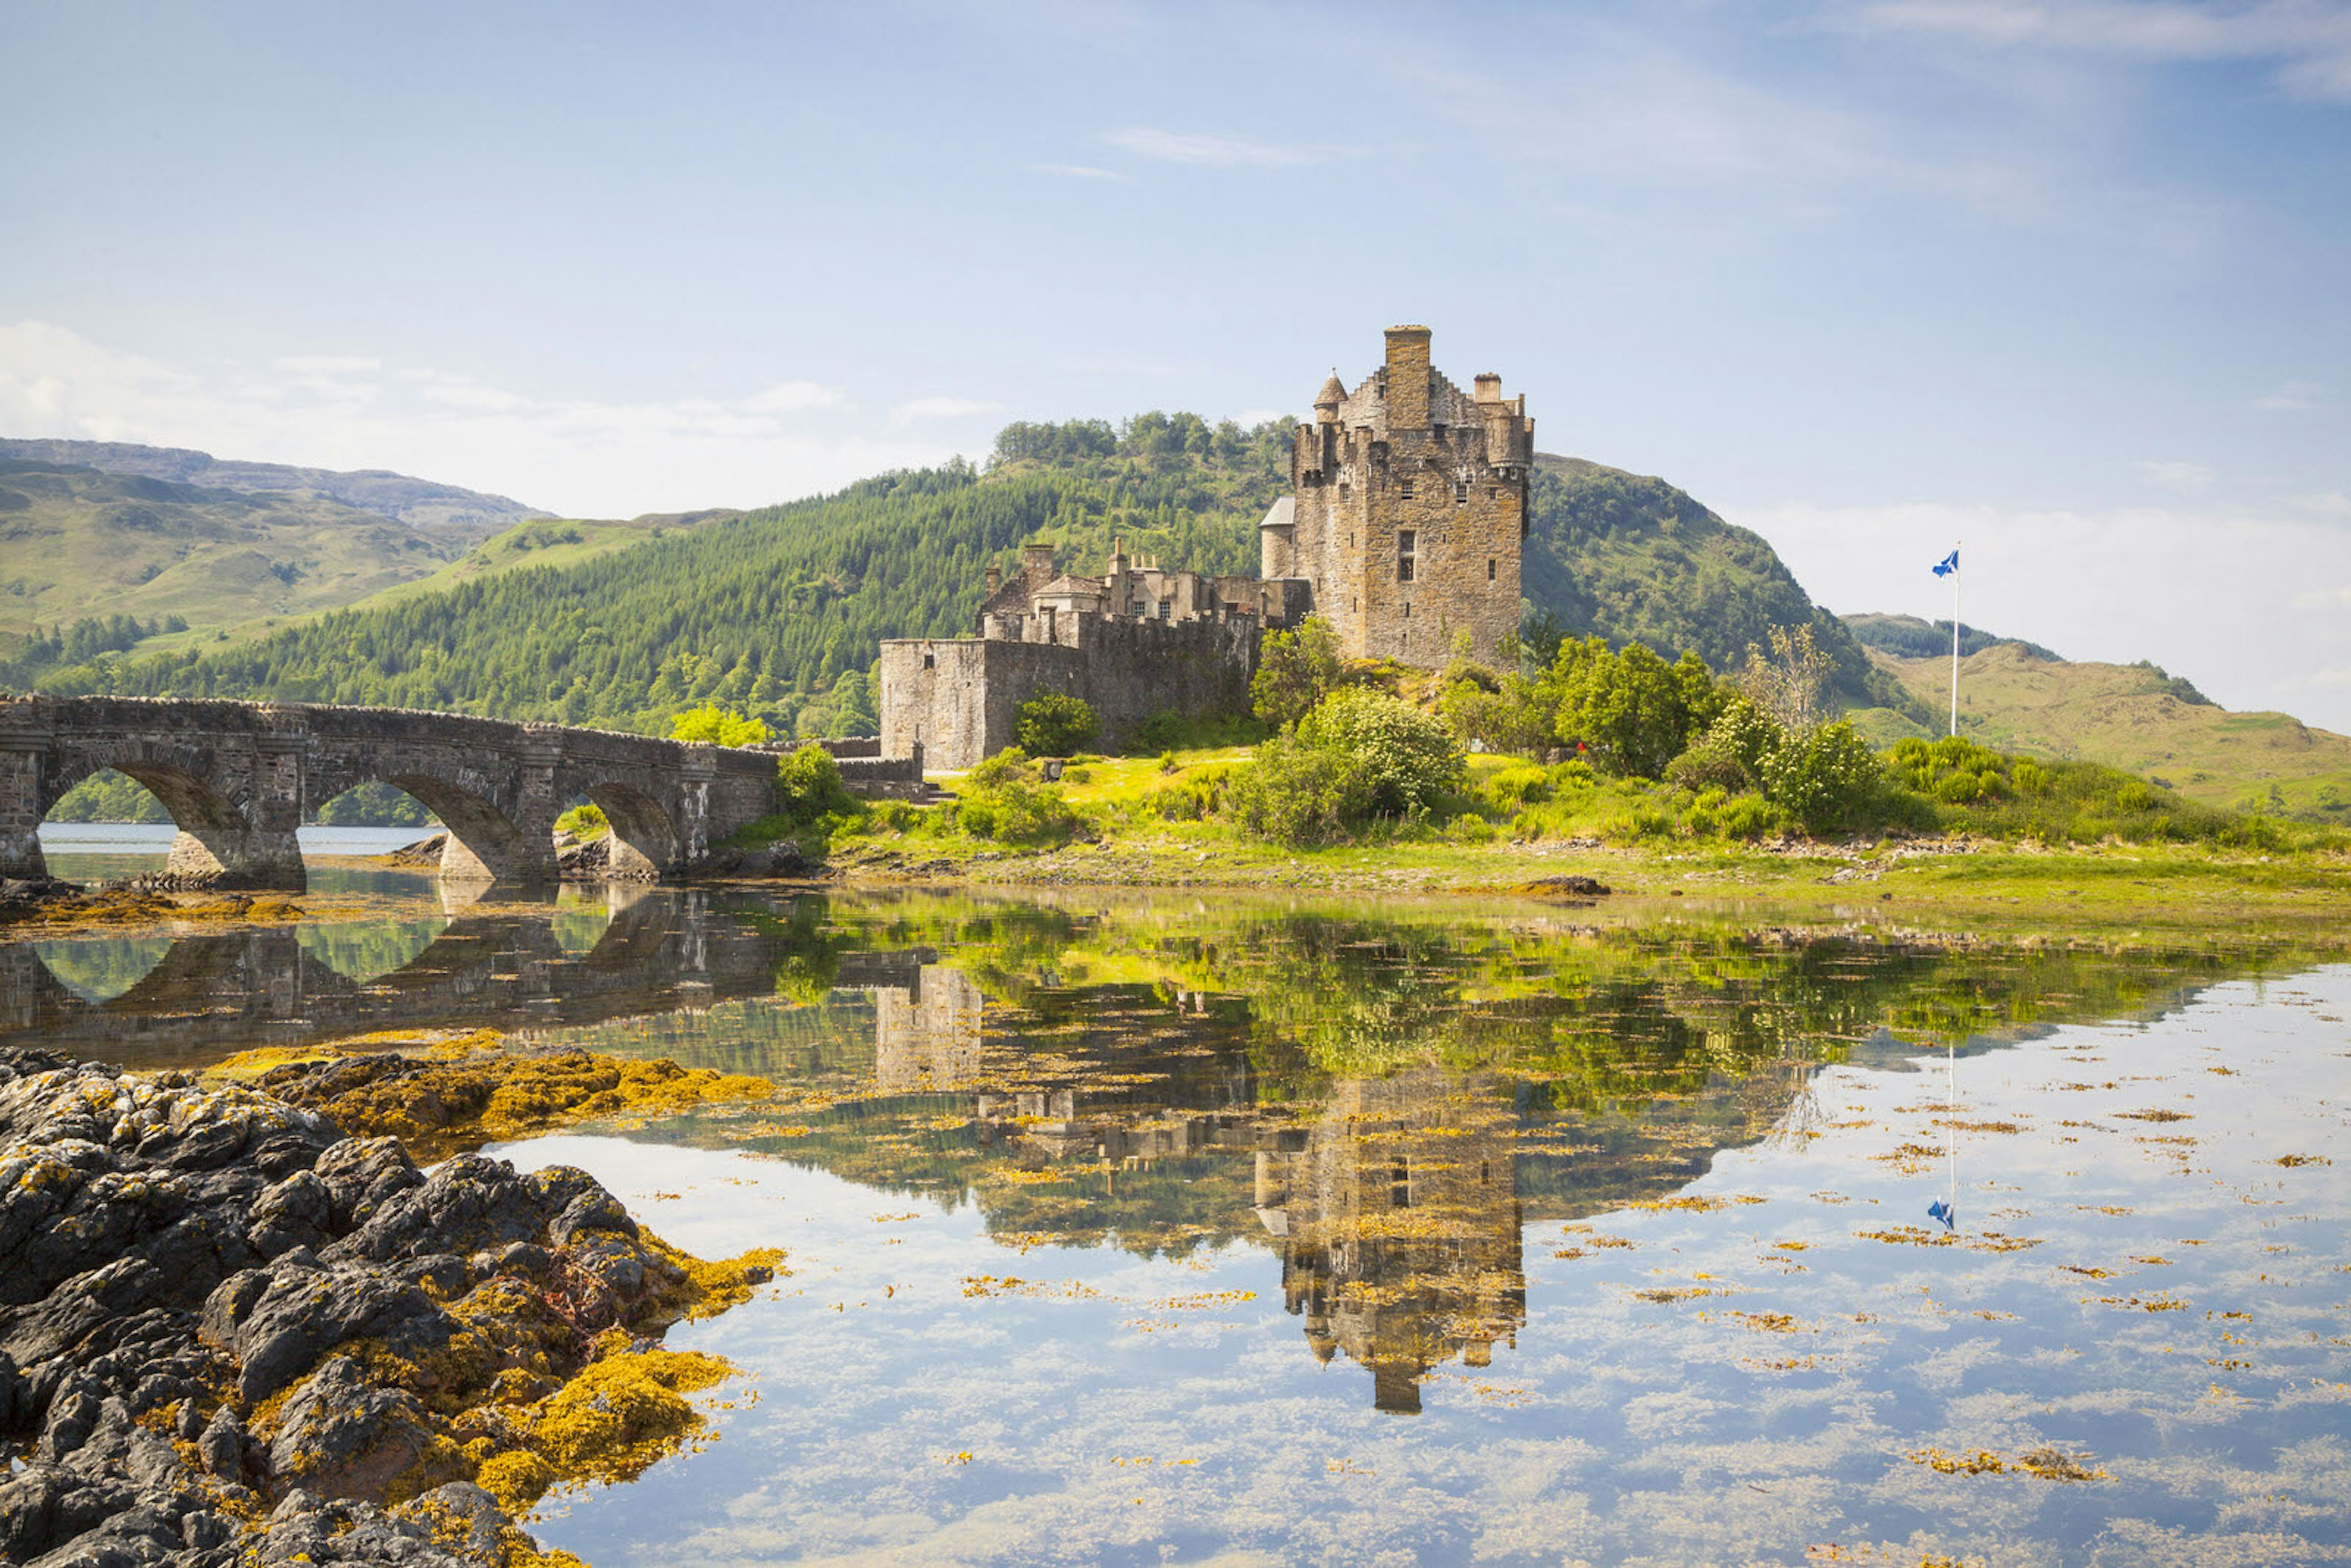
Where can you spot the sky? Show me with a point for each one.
(2061, 282)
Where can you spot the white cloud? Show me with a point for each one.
(326, 364)
(791, 397)
(578, 456)
(1222, 152)
(2293, 397)
(2176, 475)
(1076, 171)
(1256, 416)
(2207, 590)
(942, 408)
(2308, 41)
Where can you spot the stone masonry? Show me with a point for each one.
(239, 777)
(1404, 531)
(1409, 510)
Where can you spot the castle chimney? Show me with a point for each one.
(1407, 366)
(995, 579)
(1489, 388)
(1037, 559)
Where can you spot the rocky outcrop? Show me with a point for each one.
(229, 1333)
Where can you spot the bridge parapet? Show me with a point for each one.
(239, 777)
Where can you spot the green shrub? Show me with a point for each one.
(1054, 723)
(1514, 787)
(1407, 757)
(809, 787)
(1298, 794)
(1747, 817)
(583, 822)
(1296, 670)
(1729, 754)
(1470, 828)
(1825, 779)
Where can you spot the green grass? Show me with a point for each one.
(2130, 716)
(80, 543)
(1592, 833)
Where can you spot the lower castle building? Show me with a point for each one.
(1404, 529)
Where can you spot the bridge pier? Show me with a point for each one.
(220, 844)
(22, 750)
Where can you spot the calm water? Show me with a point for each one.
(1144, 1230)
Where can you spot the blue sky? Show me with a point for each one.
(2065, 281)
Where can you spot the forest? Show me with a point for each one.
(777, 614)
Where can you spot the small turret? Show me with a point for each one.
(1327, 400)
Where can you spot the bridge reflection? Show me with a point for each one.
(507, 966)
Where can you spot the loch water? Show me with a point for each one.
(1183, 1227)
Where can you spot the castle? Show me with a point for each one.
(1404, 527)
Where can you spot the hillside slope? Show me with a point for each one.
(2137, 718)
(777, 611)
(75, 542)
(1634, 558)
(419, 502)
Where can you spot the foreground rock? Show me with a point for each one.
(230, 1333)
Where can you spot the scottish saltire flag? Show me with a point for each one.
(1943, 1211)
(1948, 565)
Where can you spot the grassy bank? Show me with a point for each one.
(1125, 822)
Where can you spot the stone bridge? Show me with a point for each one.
(239, 777)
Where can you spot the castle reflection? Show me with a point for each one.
(1398, 1222)
(1383, 1103)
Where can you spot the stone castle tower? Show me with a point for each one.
(1409, 511)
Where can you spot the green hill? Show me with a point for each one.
(777, 611)
(2135, 717)
(81, 543)
(1912, 638)
(419, 502)
(1633, 558)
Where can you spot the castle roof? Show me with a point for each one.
(1066, 584)
(1334, 392)
(1283, 513)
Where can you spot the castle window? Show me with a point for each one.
(1489, 569)
(1407, 608)
(1404, 489)
(1407, 543)
(1167, 610)
(930, 661)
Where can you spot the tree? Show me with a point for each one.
(1410, 757)
(1053, 724)
(1638, 711)
(717, 725)
(1790, 681)
(1295, 671)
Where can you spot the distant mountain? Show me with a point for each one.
(2136, 718)
(419, 502)
(778, 612)
(76, 543)
(1908, 637)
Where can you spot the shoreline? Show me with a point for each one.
(232, 1331)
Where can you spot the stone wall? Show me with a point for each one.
(1409, 456)
(959, 698)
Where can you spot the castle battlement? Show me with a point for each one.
(1404, 530)
(1409, 511)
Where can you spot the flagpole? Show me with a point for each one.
(1955, 636)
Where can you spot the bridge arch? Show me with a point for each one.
(644, 838)
(217, 833)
